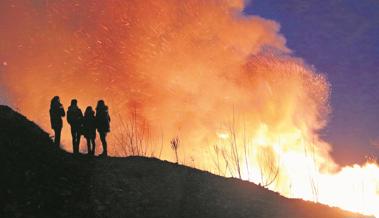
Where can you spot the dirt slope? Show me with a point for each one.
(38, 180)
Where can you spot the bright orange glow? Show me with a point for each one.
(305, 174)
(224, 83)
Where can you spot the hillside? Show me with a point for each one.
(40, 181)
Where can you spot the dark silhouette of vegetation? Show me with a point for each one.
(133, 137)
(175, 146)
(269, 166)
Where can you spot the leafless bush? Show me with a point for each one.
(269, 165)
(221, 158)
(216, 159)
(174, 146)
(235, 156)
(232, 152)
(226, 161)
(160, 150)
(311, 171)
(133, 137)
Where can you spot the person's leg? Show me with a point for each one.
(105, 144)
(89, 150)
(103, 139)
(78, 136)
(93, 146)
(73, 139)
(57, 137)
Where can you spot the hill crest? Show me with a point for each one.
(40, 180)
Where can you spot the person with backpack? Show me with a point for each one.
(89, 129)
(56, 114)
(75, 119)
(103, 124)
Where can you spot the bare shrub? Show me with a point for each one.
(226, 158)
(174, 146)
(133, 137)
(269, 165)
(232, 152)
(221, 159)
(235, 156)
(312, 171)
(216, 159)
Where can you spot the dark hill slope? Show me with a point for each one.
(38, 180)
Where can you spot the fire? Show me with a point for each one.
(222, 82)
(304, 174)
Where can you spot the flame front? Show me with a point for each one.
(303, 172)
(222, 82)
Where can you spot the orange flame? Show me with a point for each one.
(223, 81)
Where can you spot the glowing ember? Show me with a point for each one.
(223, 82)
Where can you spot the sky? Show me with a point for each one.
(340, 38)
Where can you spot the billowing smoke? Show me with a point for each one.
(202, 71)
(182, 66)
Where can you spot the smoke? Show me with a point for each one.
(181, 65)
(185, 69)
(197, 70)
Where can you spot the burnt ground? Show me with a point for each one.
(38, 180)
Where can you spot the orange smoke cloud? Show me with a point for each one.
(200, 70)
(173, 62)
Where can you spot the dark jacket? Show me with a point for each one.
(74, 116)
(56, 114)
(89, 125)
(102, 119)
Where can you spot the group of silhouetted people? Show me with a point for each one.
(81, 125)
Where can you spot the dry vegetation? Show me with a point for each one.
(42, 181)
(133, 138)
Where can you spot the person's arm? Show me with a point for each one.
(51, 118)
(62, 112)
(109, 117)
(68, 117)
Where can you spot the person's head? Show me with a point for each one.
(74, 102)
(100, 104)
(55, 101)
(88, 111)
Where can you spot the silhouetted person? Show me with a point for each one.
(103, 124)
(75, 119)
(56, 114)
(89, 129)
